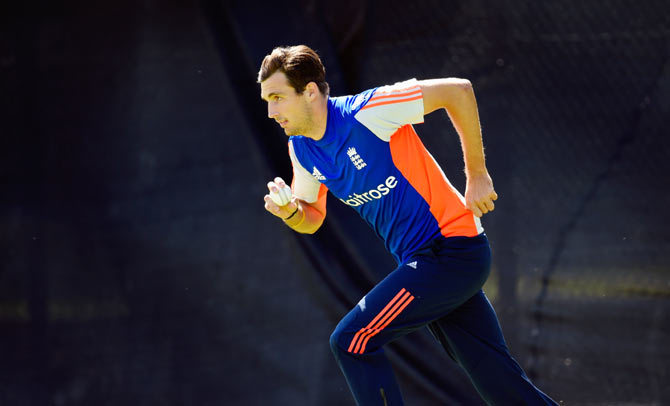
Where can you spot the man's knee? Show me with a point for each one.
(336, 341)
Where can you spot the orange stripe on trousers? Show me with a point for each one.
(364, 329)
(376, 331)
(383, 319)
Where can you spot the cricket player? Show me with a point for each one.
(365, 151)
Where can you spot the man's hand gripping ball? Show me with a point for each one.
(281, 197)
(280, 201)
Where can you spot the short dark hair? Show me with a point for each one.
(301, 65)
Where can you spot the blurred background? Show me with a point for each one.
(138, 266)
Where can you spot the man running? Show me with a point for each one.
(364, 150)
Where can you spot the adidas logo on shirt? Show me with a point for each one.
(317, 175)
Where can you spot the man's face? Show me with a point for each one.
(291, 110)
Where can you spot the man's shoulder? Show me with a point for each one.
(350, 105)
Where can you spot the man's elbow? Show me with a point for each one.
(313, 227)
(309, 231)
(459, 87)
(456, 93)
(316, 226)
(460, 84)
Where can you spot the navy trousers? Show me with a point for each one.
(440, 287)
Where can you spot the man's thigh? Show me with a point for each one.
(413, 295)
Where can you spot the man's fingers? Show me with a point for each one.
(281, 212)
(481, 205)
(280, 193)
(475, 210)
(479, 196)
(270, 205)
(485, 206)
(280, 182)
(489, 205)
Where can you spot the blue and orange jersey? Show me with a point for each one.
(371, 158)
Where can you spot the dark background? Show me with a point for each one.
(140, 268)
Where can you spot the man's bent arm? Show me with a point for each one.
(457, 97)
(301, 216)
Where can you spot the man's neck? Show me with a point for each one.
(320, 120)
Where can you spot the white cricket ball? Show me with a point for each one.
(283, 197)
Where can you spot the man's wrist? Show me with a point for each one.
(476, 172)
(297, 208)
(296, 218)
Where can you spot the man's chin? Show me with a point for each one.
(290, 132)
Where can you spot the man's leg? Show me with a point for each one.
(472, 335)
(428, 287)
(365, 367)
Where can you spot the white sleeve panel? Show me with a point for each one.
(391, 107)
(305, 187)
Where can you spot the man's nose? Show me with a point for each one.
(272, 113)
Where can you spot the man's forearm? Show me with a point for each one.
(306, 220)
(458, 99)
(464, 115)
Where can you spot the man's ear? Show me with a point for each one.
(312, 90)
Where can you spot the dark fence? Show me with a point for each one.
(139, 265)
